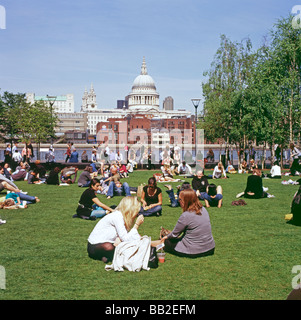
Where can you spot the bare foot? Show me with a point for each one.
(156, 242)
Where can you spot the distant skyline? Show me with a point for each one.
(59, 47)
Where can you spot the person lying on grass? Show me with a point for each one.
(17, 201)
(68, 175)
(194, 225)
(6, 184)
(174, 202)
(119, 226)
(8, 204)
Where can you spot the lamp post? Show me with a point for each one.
(196, 103)
(51, 100)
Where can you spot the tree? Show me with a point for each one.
(9, 113)
(255, 96)
(28, 122)
(286, 47)
(224, 93)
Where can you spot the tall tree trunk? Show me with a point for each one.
(291, 116)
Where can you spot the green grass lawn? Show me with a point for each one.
(43, 250)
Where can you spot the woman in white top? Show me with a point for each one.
(117, 226)
(219, 171)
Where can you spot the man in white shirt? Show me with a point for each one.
(184, 169)
(17, 156)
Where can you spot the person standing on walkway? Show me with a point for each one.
(68, 153)
(295, 154)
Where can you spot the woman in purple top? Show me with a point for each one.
(194, 223)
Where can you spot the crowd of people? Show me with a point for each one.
(121, 223)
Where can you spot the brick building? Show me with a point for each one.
(147, 130)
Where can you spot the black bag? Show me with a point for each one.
(83, 211)
(296, 206)
(153, 258)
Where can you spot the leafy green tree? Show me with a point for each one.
(286, 47)
(255, 96)
(225, 115)
(25, 121)
(9, 113)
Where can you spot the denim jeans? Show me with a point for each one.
(25, 197)
(85, 185)
(201, 195)
(152, 211)
(213, 201)
(113, 190)
(173, 201)
(93, 165)
(98, 212)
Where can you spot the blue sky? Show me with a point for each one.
(59, 47)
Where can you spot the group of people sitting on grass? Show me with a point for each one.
(151, 194)
(191, 236)
(123, 223)
(14, 198)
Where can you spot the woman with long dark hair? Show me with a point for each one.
(89, 205)
(151, 199)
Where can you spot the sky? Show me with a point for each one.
(57, 47)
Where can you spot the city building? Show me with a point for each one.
(71, 122)
(89, 100)
(142, 100)
(168, 103)
(95, 115)
(143, 96)
(149, 131)
(59, 104)
(122, 104)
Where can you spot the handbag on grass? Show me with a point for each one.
(153, 258)
(239, 202)
(164, 232)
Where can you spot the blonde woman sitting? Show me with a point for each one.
(119, 226)
(230, 168)
(219, 172)
(242, 168)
